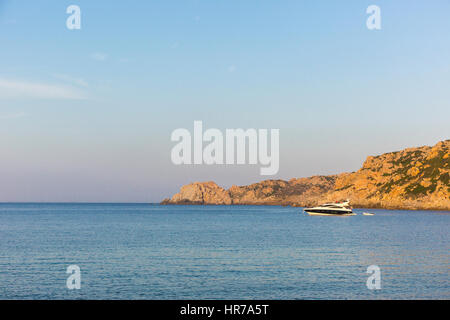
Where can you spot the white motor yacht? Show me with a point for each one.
(331, 209)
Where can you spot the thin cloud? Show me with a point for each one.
(99, 56)
(10, 21)
(13, 89)
(232, 69)
(76, 81)
(13, 115)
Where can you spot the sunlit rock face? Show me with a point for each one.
(414, 178)
(200, 193)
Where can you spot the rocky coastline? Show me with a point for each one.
(410, 179)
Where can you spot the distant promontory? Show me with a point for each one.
(414, 178)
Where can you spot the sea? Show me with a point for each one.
(150, 251)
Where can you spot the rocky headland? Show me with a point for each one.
(414, 178)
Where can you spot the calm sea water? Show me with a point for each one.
(140, 251)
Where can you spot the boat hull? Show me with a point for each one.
(331, 214)
(328, 212)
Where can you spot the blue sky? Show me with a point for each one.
(86, 115)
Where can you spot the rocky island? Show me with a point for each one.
(414, 178)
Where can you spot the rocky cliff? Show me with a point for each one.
(414, 178)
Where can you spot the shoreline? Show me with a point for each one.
(299, 206)
(218, 204)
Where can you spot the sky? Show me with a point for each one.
(86, 115)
